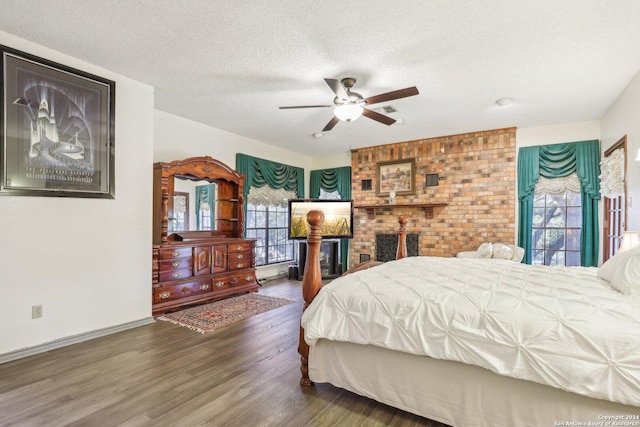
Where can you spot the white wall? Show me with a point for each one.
(559, 133)
(87, 261)
(332, 161)
(178, 138)
(623, 118)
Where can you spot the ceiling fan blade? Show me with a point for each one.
(331, 124)
(305, 106)
(337, 88)
(378, 117)
(390, 96)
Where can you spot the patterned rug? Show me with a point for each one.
(209, 317)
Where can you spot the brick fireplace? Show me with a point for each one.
(476, 180)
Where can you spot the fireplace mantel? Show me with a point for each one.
(428, 207)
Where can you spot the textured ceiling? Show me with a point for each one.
(231, 64)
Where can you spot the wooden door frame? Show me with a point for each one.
(606, 237)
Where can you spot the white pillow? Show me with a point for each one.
(485, 250)
(622, 271)
(502, 251)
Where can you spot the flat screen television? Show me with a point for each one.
(338, 218)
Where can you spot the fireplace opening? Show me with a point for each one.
(387, 245)
(330, 266)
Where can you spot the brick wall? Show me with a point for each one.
(477, 182)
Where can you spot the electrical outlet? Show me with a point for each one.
(36, 311)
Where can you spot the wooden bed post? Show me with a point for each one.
(312, 278)
(402, 238)
(311, 284)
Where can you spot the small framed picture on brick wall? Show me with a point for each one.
(396, 175)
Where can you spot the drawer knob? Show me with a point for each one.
(220, 284)
(204, 287)
(239, 248)
(248, 278)
(239, 265)
(176, 254)
(164, 295)
(175, 275)
(176, 264)
(239, 256)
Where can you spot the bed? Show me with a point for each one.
(475, 342)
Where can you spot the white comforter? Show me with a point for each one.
(559, 326)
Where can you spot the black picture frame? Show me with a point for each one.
(431, 180)
(57, 126)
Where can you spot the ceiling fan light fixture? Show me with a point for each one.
(348, 112)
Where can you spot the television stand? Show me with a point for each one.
(330, 267)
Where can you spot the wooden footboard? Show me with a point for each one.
(312, 279)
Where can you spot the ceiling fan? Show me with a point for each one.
(351, 105)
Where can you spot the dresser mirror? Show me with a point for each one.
(193, 205)
(198, 197)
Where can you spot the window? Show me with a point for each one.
(180, 220)
(205, 217)
(556, 230)
(206, 199)
(268, 224)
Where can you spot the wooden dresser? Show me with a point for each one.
(196, 266)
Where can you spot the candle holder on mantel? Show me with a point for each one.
(392, 197)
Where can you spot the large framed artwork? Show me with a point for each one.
(396, 177)
(57, 129)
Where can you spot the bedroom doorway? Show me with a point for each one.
(615, 197)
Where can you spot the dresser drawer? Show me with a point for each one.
(182, 290)
(174, 264)
(240, 247)
(172, 253)
(239, 260)
(176, 274)
(230, 280)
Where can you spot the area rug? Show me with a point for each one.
(215, 315)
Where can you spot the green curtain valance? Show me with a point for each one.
(261, 172)
(336, 179)
(555, 161)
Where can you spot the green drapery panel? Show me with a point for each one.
(588, 171)
(556, 161)
(331, 180)
(204, 194)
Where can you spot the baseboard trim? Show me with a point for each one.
(75, 339)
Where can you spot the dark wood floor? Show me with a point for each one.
(165, 375)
